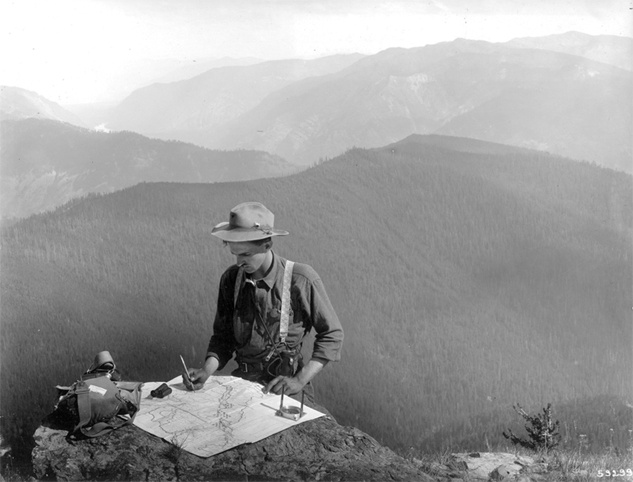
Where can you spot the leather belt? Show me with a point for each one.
(252, 367)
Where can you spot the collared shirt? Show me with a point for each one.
(258, 315)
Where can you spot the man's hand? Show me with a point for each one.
(197, 377)
(290, 385)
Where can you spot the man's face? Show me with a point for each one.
(248, 254)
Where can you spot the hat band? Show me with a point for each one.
(256, 226)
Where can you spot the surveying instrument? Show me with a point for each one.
(290, 412)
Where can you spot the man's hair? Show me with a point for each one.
(261, 242)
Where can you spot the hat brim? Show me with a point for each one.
(237, 235)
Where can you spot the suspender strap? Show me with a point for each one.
(285, 302)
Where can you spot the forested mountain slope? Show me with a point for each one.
(468, 277)
(45, 163)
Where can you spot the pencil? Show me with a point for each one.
(187, 372)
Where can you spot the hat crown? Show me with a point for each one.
(251, 215)
(249, 221)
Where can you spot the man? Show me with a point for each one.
(249, 320)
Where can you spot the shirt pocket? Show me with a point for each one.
(296, 328)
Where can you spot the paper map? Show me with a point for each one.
(226, 412)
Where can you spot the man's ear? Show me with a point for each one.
(268, 246)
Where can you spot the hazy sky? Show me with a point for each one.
(75, 51)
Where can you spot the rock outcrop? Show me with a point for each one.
(317, 450)
(488, 466)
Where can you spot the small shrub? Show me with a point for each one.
(542, 430)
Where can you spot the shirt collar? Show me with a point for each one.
(271, 275)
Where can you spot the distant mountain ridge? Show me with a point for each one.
(562, 94)
(17, 103)
(46, 163)
(197, 67)
(519, 93)
(522, 97)
(608, 49)
(214, 97)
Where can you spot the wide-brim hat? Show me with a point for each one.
(248, 221)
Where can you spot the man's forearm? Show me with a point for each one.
(211, 365)
(310, 370)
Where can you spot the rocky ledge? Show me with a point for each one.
(316, 450)
(320, 449)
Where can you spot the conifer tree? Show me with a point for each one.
(541, 428)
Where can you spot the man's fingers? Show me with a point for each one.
(196, 376)
(187, 381)
(287, 384)
(274, 385)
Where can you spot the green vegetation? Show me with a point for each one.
(465, 277)
(543, 435)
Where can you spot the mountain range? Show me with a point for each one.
(17, 103)
(607, 49)
(46, 163)
(468, 277)
(148, 73)
(568, 94)
(213, 98)
(190, 69)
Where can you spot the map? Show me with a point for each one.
(226, 412)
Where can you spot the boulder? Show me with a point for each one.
(487, 466)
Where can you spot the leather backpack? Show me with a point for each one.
(99, 401)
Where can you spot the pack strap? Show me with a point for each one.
(129, 392)
(83, 404)
(285, 302)
(101, 428)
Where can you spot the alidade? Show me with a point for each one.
(290, 412)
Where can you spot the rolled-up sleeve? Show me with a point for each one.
(222, 342)
(328, 340)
